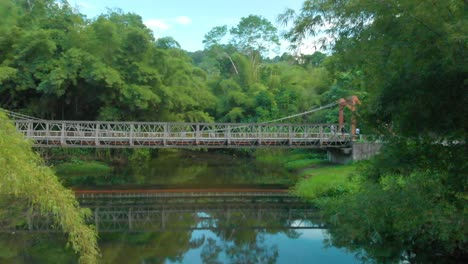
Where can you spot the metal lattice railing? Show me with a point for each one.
(93, 134)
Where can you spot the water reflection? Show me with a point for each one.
(188, 169)
(186, 227)
(168, 210)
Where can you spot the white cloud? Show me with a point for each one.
(163, 24)
(157, 24)
(82, 4)
(183, 20)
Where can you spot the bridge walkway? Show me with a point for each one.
(94, 134)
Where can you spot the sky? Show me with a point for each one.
(187, 21)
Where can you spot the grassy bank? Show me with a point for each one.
(83, 168)
(325, 180)
(79, 172)
(316, 177)
(295, 160)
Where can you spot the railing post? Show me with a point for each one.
(29, 220)
(163, 219)
(166, 134)
(130, 218)
(47, 133)
(139, 134)
(62, 134)
(30, 128)
(96, 135)
(229, 135)
(96, 219)
(259, 135)
(290, 135)
(321, 135)
(131, 134)
(197, 134)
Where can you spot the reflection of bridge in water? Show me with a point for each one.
(130, 211)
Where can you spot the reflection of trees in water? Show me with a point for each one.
(118, 247)
(20, 247)
(36, 248)
(155, 247)
(151, 247)
(252, 252)
(154, 230)
(13, 211)
(247, 252)
(237, 241)
(185, 167)
(244, 245)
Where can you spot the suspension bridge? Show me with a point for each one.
(97, 134)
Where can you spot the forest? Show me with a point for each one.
(57, 64)
(405, 59)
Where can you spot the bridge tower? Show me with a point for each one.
(350, 103)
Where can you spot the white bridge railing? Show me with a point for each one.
(95, 134)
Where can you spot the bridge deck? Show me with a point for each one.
(180, 135)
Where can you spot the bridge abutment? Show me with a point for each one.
(358, 151)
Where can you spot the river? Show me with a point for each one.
(206, 208)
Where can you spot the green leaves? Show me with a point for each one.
(254, 34)
(7, 73)
(409, 54)
(410, 215)
(24, 178)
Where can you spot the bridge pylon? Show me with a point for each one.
(350, 103)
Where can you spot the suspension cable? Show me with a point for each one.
(19, 116)
(303, 113)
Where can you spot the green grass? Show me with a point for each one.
(83, 168)
(295, 165)
(291, 160)
(324, 181)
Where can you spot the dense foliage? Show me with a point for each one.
(57, 64)
(27, 185)
(404, 58)
(409, 58)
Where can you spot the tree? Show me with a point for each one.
(408, 57)
(254, 36)
(214, 36)
(25, 178)
(410, 54)
(57, 65)
(167, 43)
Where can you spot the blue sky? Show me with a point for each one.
(187, 21)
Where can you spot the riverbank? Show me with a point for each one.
(325, 180)
(300, 170)
(186, 168)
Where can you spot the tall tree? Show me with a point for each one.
(255, 36)
(410, 58)
(411, 54)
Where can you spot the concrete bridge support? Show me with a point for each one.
(358, 151)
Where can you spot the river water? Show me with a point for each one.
(208, 208)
